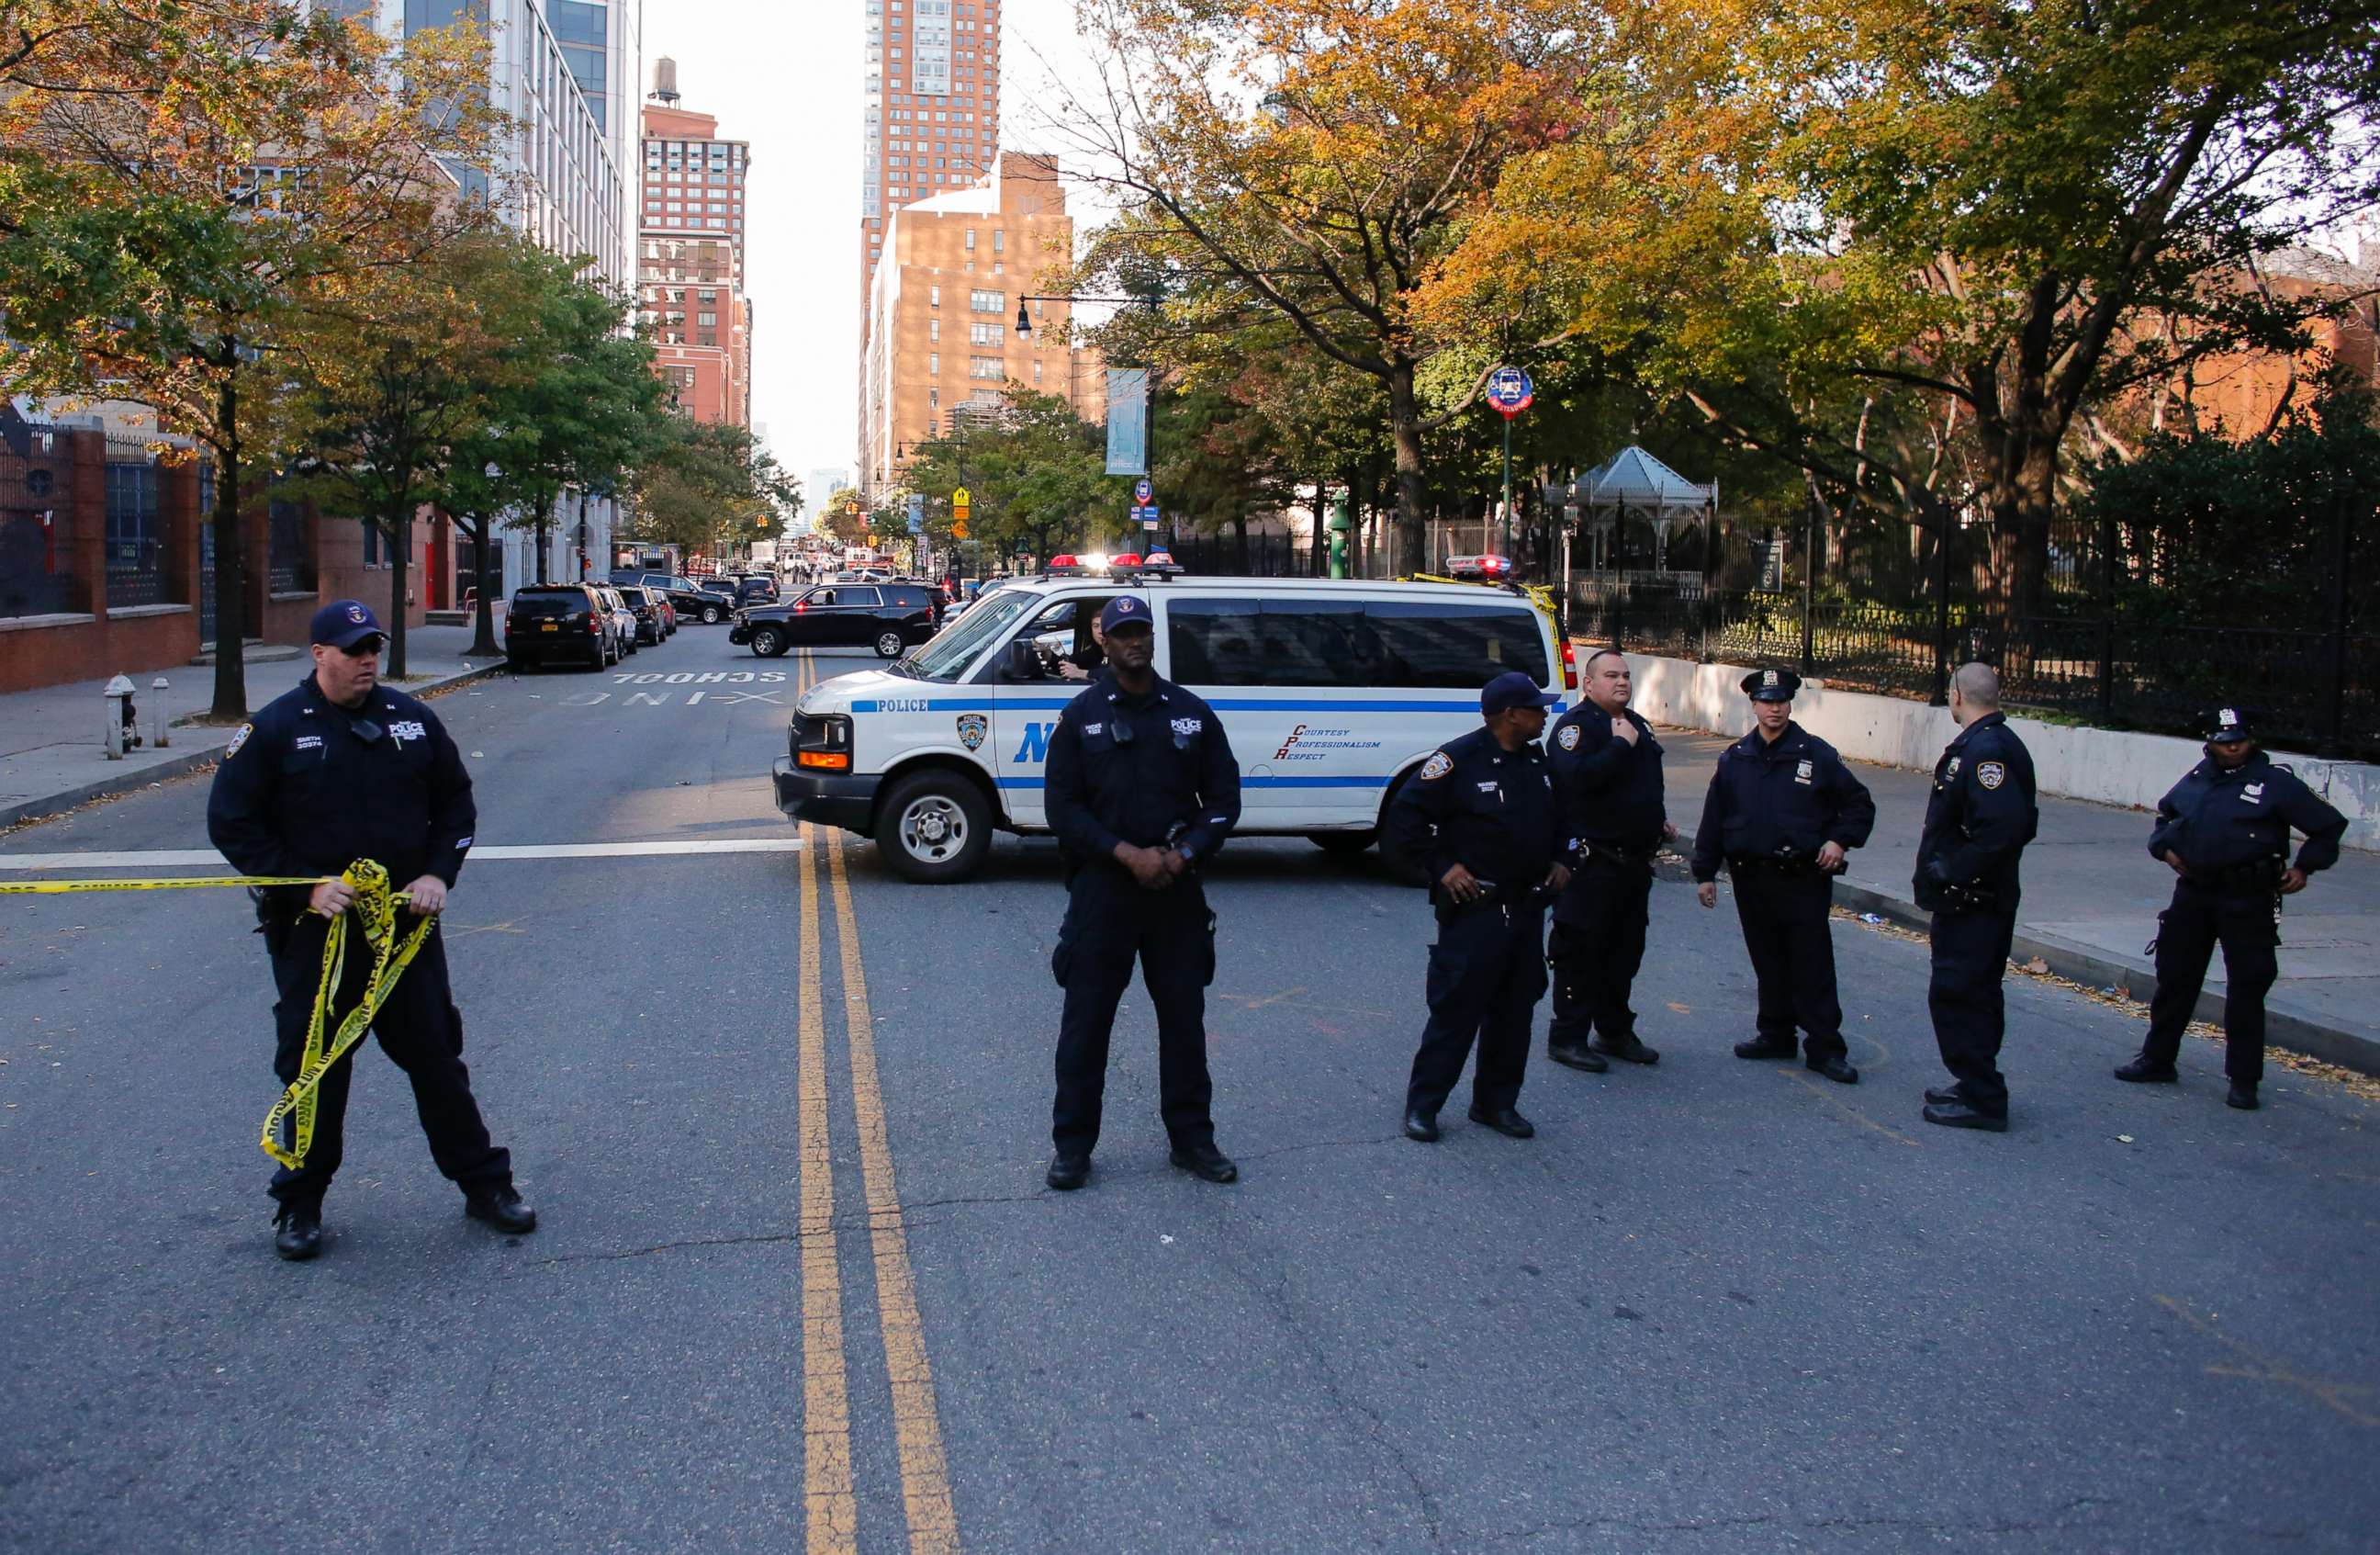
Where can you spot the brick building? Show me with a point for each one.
(929, 110)
(690, 266)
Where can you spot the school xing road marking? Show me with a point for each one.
(208, 858)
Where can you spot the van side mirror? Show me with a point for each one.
(1021, 664)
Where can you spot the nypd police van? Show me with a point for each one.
(1331, 693)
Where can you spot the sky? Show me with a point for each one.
(787, 78)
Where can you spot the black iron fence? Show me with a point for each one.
(136, 573)
(1255, 555)
(37, 571)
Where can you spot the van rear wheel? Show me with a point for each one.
(935, 828)
(1343, 844)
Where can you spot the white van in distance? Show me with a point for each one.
(1330, 692)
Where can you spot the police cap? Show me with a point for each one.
(2228, 723)
(344, 624)
(1513, 688)
(1771, 685)
(1126, 610)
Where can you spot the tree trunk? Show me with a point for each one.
(400, 556)
(483, 640)
(231, 569)
(1405, 425)
(544, 507)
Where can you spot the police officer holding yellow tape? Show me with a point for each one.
(338, 769)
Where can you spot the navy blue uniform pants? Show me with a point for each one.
(1486, 973)
(2188, 932)
(1596, 948)
(1970, 1009)
(420, 1030)
(1111, 922)
(1792, 941)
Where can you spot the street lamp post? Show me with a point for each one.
(1153, 302)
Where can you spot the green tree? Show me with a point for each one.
(703, 484)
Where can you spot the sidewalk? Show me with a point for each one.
(50, 755)
(2092, 894)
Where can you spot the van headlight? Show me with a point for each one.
(822, 743)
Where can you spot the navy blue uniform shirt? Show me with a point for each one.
(307, 788)
(2220, 820)
(1981, 814)
(1610, 791)
(1489, 810)
(1142, 771)
(1790, 797)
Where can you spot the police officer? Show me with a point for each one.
(1977, 821)
(338, 769)
(1142, 790)
(1607, 775)
(1481, 821)
(2225, 831)
(1782, 813)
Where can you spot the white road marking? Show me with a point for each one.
(208, 858)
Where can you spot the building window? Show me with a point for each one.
(999, 240)
(933, 329)
(987, 334)
(985, 367)
(936, 295)
(934, 362)
(988, 302)
(970, 232)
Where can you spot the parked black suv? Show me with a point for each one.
(690, 602)
(557, 624)
(890, 617)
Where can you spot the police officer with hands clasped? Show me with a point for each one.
(1481, 821)
(1142, 789)
(1607, 770)
(2224, 831)
(343, 768)
(1782, 813)
(1978, 819)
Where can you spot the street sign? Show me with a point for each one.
(1149, 524)
(1510, 391)
(1143, 492)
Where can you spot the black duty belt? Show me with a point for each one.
(1612, 853)
(1774, 863)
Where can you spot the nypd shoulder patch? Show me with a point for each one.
(1991, 775)
(1568, 738)
(237, 740)
(1437, 766)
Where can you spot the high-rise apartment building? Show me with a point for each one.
(942, 345)
(690, 255)
(930, 109)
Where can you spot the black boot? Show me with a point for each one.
(2145, 1070)
(300, 1236)
(1631, 1049)
(1576, 1055)
(502, 1208)
(1068, 1170)
(2242, 1096)
(1205, 1161)
(1421, 1126)
(1762, 1047)
(1504, 1120)
(1836, 1067)
(1962, 1113)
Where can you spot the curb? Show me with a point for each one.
(189, 761)
(2284, 1025)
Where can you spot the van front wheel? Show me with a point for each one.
(1343, 844)
(935, 828)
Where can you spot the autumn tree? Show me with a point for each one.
(1316, 160)
(174, 183)
(702, 484)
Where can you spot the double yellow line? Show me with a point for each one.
(831, 1507)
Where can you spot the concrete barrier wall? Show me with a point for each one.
(2107, 766)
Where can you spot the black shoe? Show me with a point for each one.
(1630, 1051)
(502, 1208)
(2242, 1096)
(1946, 1096)
(300, 1233)
(2145, 1070)
(1961, 1113)
(1205, 1161)
(1761, 1047)
(1576, 1055)
(1421, 1126)
(1835, 1068)
(1506, 1121)
(1068, 1172)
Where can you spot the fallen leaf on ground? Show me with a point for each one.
(2036, 965)
(1682, 1009)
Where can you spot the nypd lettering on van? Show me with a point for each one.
(1331, 693)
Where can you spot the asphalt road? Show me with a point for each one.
(798, 1284)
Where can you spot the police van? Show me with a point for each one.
(1332, 692)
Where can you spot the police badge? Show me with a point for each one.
(1568, 738)
(973, 726)
(1991, 775)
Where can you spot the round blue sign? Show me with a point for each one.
(1510, 391)
(1143, 492)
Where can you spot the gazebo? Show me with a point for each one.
(1630, 481)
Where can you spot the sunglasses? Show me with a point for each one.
(368, 648)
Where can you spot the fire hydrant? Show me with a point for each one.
(122, 733)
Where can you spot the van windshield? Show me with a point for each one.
(944, 657)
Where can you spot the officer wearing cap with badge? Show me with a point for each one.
(1781, 814)
(1481, 821)
(1142, 788)
(2224, 831)
(1978, 819)
(338, 769)
(1607, 775)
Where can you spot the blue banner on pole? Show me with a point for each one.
(917, 513)
(1127, 421)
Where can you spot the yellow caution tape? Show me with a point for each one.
(375, 912)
